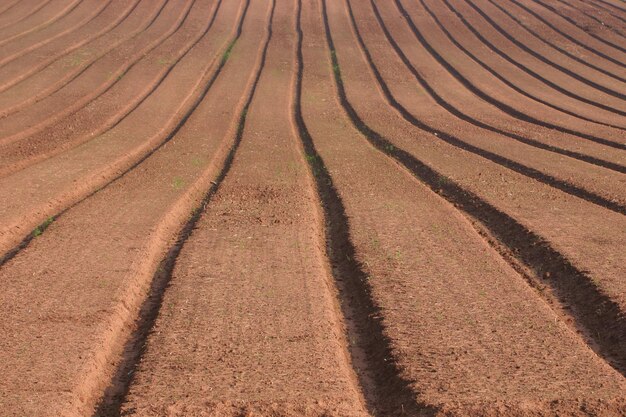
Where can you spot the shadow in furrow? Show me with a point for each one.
(459, 143)
(597, 316)
(611, 8)
(11, 253)
(528, 28)
(532, 73)
(592, 17)
(458, 113)
(386, 392)
(493, 23)
(491, 100)
(566, 36)
(115, 394)
(573, 22)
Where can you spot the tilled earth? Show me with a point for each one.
(312, 208)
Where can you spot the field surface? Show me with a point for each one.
(312, 208)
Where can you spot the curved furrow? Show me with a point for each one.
(488, 98)
(562, 32)
(381, 383)
(7, 6)
(91, 84)
(597, 313)
(610, 6)
(514, 86)
(600, 39)
(56, 140)
(611, 108)
(565, 68)
(16, 15)
(38, 25)
(563, 185)
(447, 87)
(610, 12)
(288, 278)
(509, 83)
(86, 169)
(602, 23)
(457, 112)
(545, 39)
(46, 77)
(83, 15)
(143, 236)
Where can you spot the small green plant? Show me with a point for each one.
(120, 76)
(336, 68)
(77, 58)
(389, 148)
(196, 161)
(228, 52)
(43, 226)
(316, 164)
(164, 61)
(442, 180)
(178, 183)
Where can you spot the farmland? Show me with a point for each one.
(312, 208)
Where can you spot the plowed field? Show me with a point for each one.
(312, 208)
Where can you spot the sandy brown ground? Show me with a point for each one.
(87, 329)
(580, 230)
(96, 81)
(312, 207)
(454, 364)
(268, 341)
(71, 176)
(108, 28)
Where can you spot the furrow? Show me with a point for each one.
(561, 31)
(118, 389)
(598, 314)
(56, 107)
(546, 39)
(610, 6)
(602, 23)
(142, 233)
(14, 17)
(488, 98)
(313, 384)
(600, 39)
(566, 186)
(574, 73)
(83, 15)
(35, 26)
(447, 86)
(452, 366)
(455, 111)
(534, 74)
(118, 154)
(102, 123)
(7, 6)
(48, 76)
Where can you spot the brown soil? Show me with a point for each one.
(312, 207)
